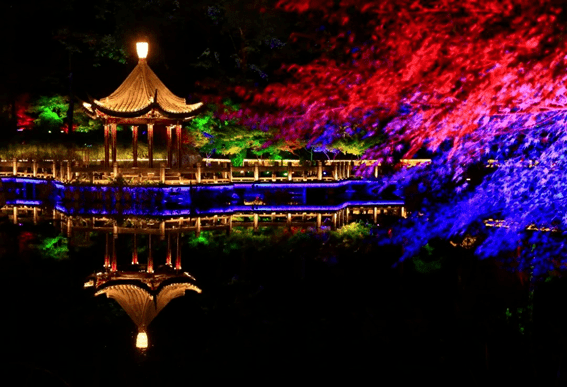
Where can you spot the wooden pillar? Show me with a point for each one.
(162, 230)
(178, 139)
(68, 165)
(178, 252)
(375, 214)
(106, 146)
(230, 224)
(61, 171)
(151, 145)
(225, 170)
(256, 172)
(319, 221)
(113, 264)
(198, 226)
(15, 213)
(114, 169)
(61, 223)
(113, 135)
(168, 256)
(107, 252)
(230, 172)
(255, 222)
(348, 168)
(335, 221)
(162, 173)
(135, 146)
(54, 169)
(69, 227)
(134, 249)
(35, 215)
(403, 212)
(34, 168)
(376, 171)
(288, 219)
(150, 268)
(319, 170)
(289, 171)
(198, 173)
(347, 214)
(169, 130)
(335, 171)
(14, 166)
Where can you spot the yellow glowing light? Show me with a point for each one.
(87, 105)
(142, 340)
(142, 48)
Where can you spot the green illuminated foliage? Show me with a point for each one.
(55, 248)
(51, 113)
(355, 145)
(213, 135)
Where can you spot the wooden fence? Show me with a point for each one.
(209, 171)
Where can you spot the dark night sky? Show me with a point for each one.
(38, 36)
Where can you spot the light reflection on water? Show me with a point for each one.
(151, 225)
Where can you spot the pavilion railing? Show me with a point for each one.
(174, 225)
(209, 171)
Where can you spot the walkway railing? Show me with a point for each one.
(174, 225)
(209, 171)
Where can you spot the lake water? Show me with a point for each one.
(254, 283)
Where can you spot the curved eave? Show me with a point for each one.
(89, 112)
(179, 116)
(153, 106)
(115, 113)
(139, 284)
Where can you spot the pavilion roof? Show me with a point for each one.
(142, 92)
(140, 302)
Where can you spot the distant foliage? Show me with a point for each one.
(51, 115)
(217, 136)
(54, 248)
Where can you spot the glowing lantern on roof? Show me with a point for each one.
(142, 49)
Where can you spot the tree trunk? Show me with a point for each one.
(71, 97)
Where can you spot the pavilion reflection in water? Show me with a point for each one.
(141, 288)
(142, 295)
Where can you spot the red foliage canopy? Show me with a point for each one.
(422, 71)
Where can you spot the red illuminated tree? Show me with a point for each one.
(420, 71)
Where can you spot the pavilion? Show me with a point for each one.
(142, 99)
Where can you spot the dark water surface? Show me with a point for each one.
(293, 302)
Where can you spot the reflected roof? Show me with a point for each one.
(140, 302)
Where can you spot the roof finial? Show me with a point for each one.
(142, 48)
